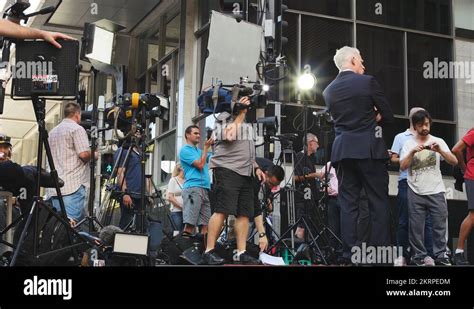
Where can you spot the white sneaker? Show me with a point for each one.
(428, 261)
(400, 261)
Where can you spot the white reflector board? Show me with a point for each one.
(131, 244)
(234, 50)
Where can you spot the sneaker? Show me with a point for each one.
(443, 260)
(247, 259)
(426, 261)
(459, 259)
(211, 258)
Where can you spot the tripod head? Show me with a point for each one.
(287, 140)
(16, 13)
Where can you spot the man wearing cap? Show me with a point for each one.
(11, 174)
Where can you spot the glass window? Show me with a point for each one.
(382, 51)
(205, 8)
(172, 34)
(290, 51)
(152, 55)
(320, 38)
(166, 158)
(424, 15)
(435, 95)
(339, 8)
(166, 87)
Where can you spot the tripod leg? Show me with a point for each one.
(23, 235)
(39, 105)
(290, 229)
(313, 241)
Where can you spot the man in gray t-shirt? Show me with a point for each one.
(426, 191)
(233, 164)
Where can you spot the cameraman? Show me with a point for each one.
(233, 164)
(12, 30)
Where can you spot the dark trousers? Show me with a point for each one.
(353, 175)
(402, 230)
(363, 221)
(334, 223)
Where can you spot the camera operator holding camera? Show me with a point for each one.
(233, 164)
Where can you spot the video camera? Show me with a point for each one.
(130, 108)
(225, 98)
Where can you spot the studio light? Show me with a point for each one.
(307, 81)
(103, 43)
(99, 40)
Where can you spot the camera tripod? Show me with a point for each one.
(39, 106)
(314, 231)
(91, 219)
(129, 148)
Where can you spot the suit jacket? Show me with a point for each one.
(350, 99)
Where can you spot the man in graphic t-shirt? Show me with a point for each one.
(467, 167)
(426, 193)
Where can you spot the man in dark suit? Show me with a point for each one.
(360, 109)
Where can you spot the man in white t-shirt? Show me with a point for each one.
(426, 190)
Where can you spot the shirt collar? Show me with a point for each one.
(69, 120)
(408, 133)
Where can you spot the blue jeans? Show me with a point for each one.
(74, 204)
(177, 218)
(402, 231)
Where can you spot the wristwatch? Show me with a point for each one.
(261, 235)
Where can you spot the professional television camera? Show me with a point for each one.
(224, 98)
(133, 108)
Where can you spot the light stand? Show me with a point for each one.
(306, 82)
(91, 219)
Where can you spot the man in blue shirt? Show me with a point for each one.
(129, 180)
(402, 198)
(129, 177)
(196, 205)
